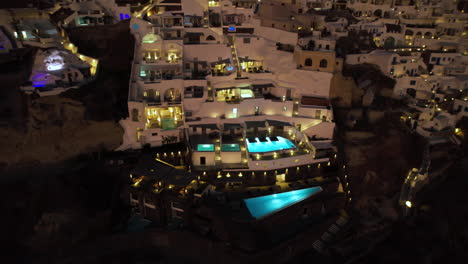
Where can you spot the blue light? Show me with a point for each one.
(127, 16)
(230, 68)
(136, 26)
(263, 206)
(121, 16)
(232, 29)
(38, 85)
(258, 146)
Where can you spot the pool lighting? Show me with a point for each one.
(408, 204)
(260, 207)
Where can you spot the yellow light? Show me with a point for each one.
(240, 174)
(408, 204)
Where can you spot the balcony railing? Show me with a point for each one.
(173, 100)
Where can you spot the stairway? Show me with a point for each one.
(235, 58)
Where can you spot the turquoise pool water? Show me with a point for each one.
(205, 147)
(230, 147)
(262, 206)
(268, 146)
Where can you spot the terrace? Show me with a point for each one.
(242, 92)
(214, 150)
(222, 68)
(251, 66)
(150, 75)
(274, 142)
(168, 118)
(156, 56)
(235, 94)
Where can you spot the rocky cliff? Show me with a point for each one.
(56, 128)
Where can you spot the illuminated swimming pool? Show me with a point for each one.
(230, 147)
(246, 93)
(263, 206)
(205, 147)
(269, 145)
(168, 123)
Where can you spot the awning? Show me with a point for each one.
(260, 86)
(251, 124)
(210, 126)
(278, 123)
(228, 126)
(202, 63)
(315, 101)
(194, 34)
(243, 59)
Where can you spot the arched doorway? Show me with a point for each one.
(378, 13)
(389, 43)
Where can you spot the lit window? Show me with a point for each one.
(285, 108)
(234, 112)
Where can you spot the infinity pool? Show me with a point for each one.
(269, 145)
(263, 206)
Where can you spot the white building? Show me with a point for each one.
(207, 86)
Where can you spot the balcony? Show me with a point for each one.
(173, 99)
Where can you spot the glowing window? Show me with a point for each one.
(234, 112)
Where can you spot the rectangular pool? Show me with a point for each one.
(269, 145)
(263, 206)
(168, 123)
(230, 147)
(205, 147)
